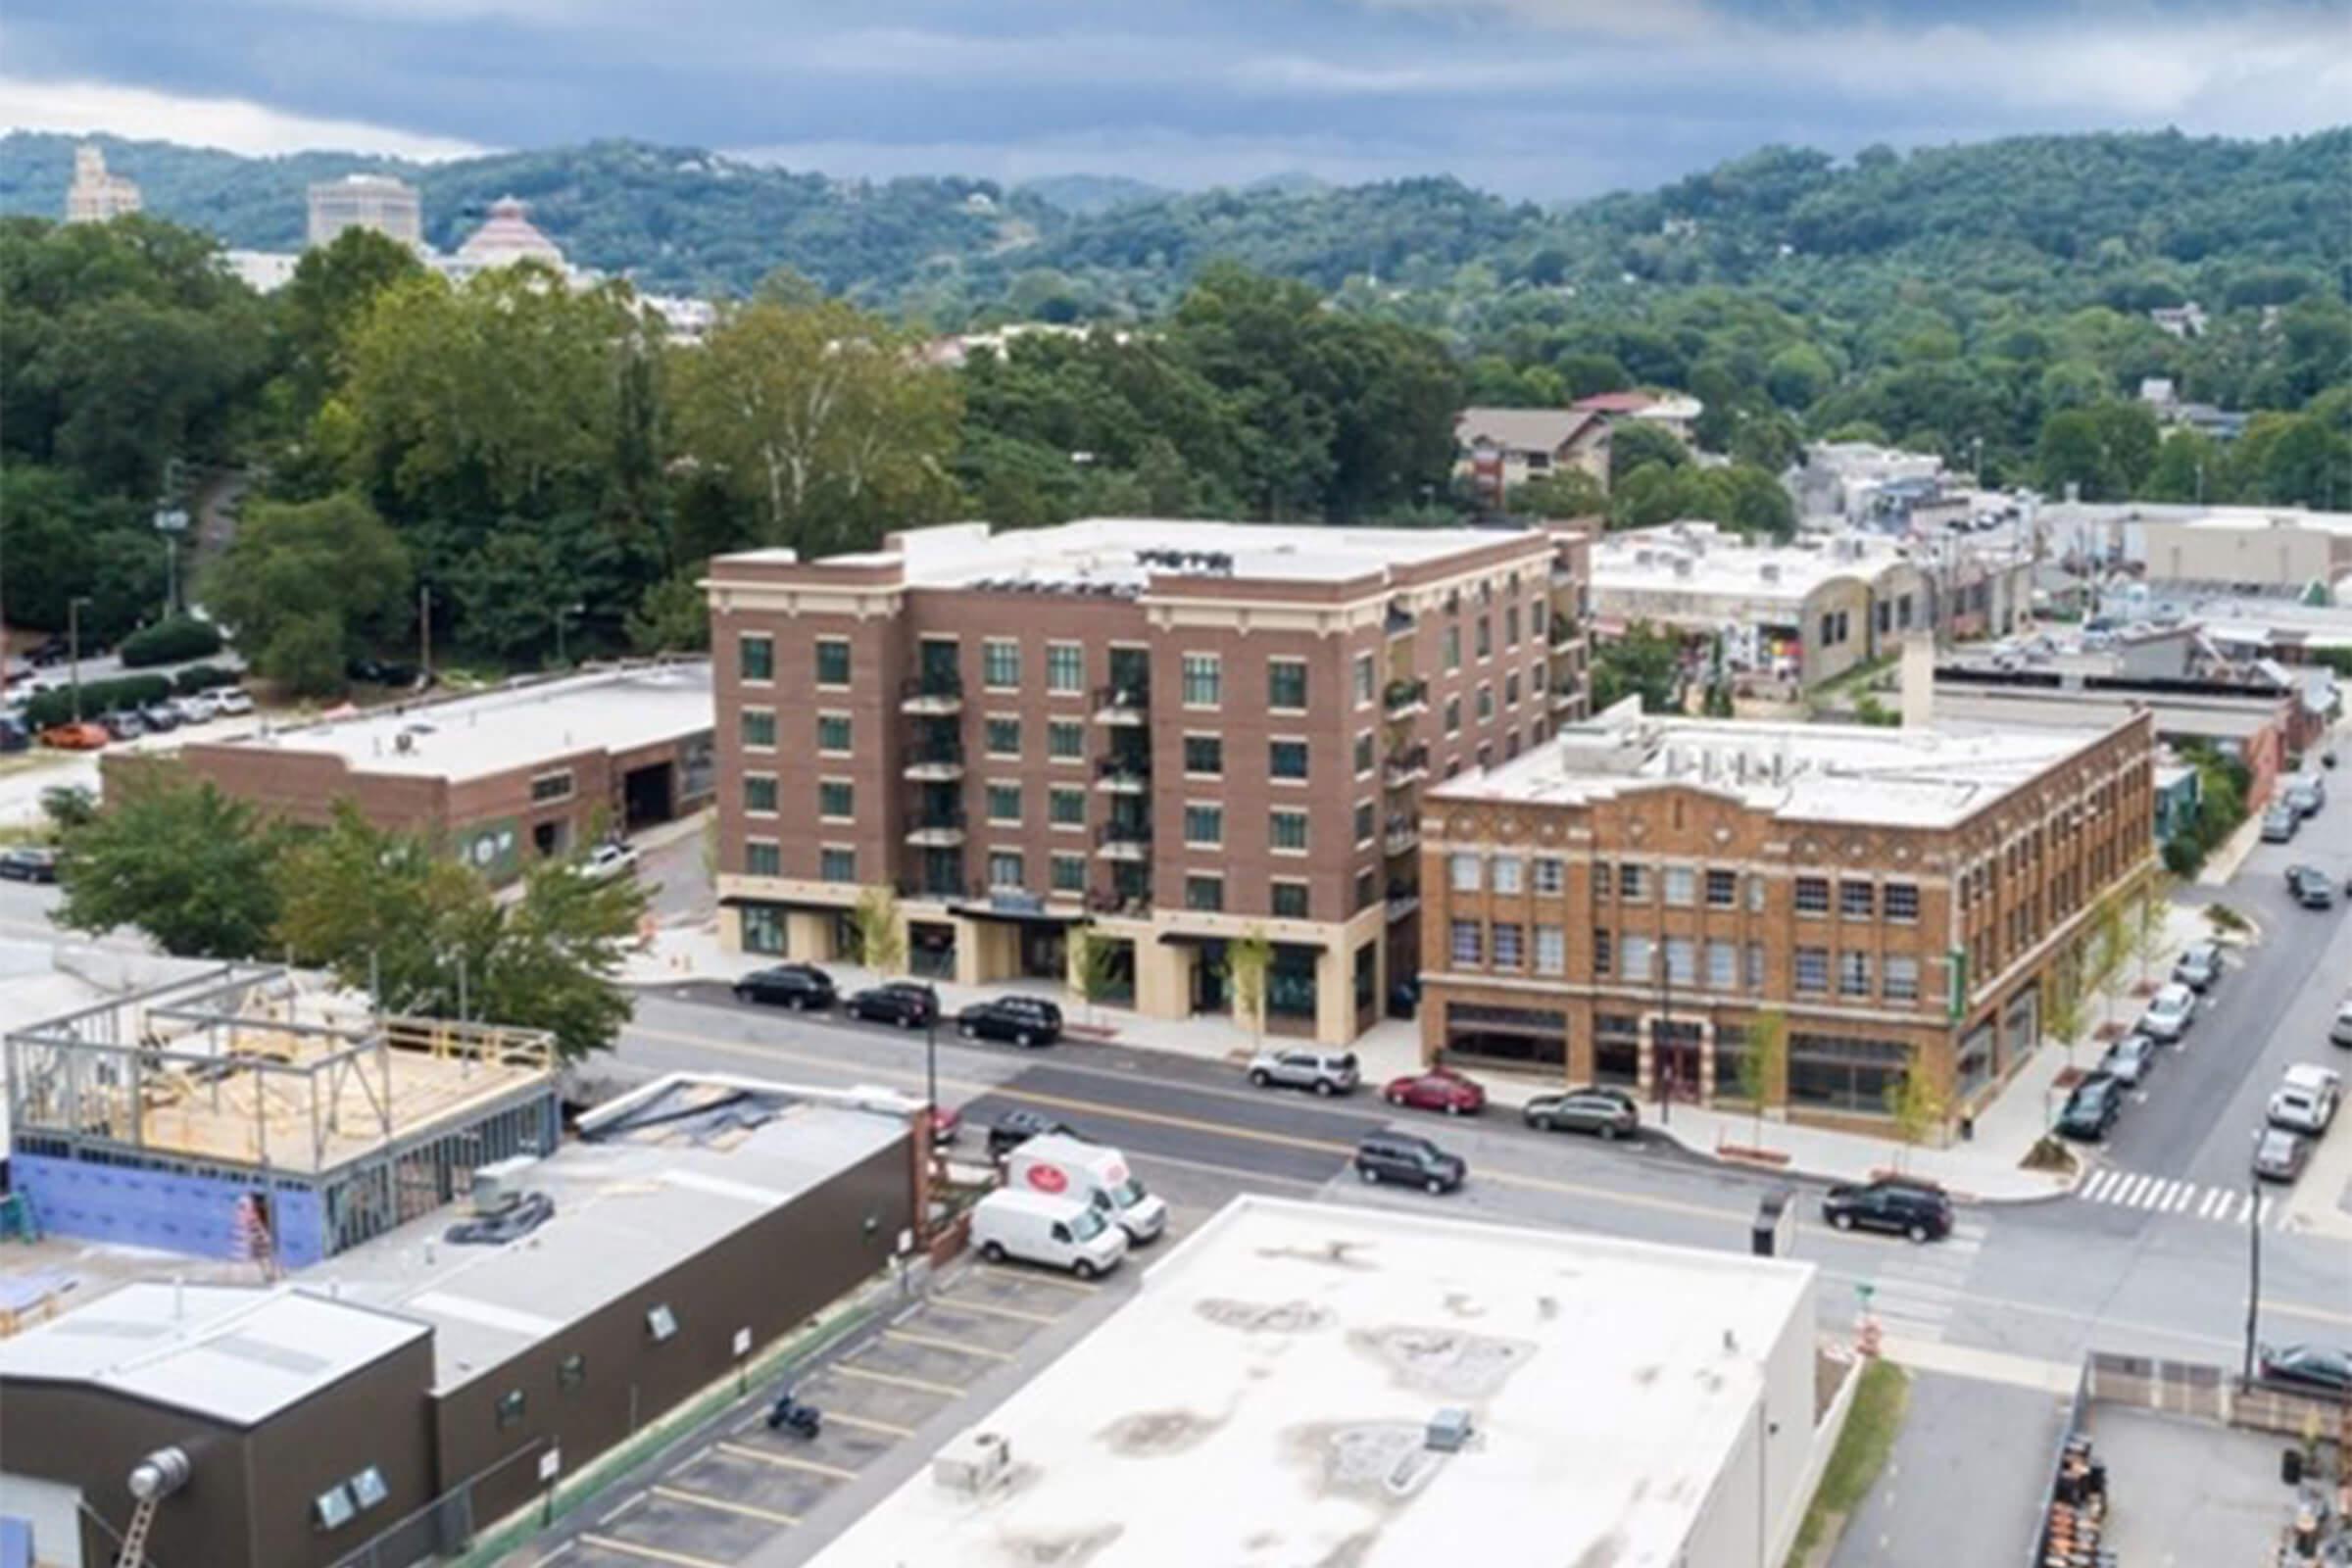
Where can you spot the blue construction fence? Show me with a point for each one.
(171, 1210)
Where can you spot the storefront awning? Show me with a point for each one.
(744, 900)
(1019, 912)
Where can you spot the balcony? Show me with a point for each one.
(1565, 634)
(1125, 704)
(936, 829)
(1406, 699)
(1564, 698)
(1123, 776)
(1403, 899)
(1124, 841)
(936, 692)
(1400, 621)
(1407, 767)
(933, 764)
(1403, 835)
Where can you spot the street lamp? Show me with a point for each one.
(74, 647)
(2253, 1271)
(562, 610)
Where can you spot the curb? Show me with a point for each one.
(1799, 1173)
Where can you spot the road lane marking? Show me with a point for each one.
(947, 1297)
(629, 1548)
(2214, 1202)
(919, 1385)
(700, 1501)
(786, 1461)
(933, 1342)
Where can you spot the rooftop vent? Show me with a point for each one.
(1450, 1430)
(1770, 571)
(973, 1464)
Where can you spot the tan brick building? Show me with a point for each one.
(1176, 732)
(1619, 904)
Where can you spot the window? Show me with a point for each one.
(1367, 823)
(1286, 760)
(756, 658)
(333, 1509)
(1290, 900)
(1485, 704)
(1636, 957)
(1812, 895)
(1205, 825)
(832, 662)
(1469, 946)
(1600, 952)
(1630, 881)
(1752, 964)
(760, 793)
(1065, 668)
(1000, 663)
(571, 1372)
(835, 797)
(832, 732)
(1844, 1074)
(1899, 978)
(1454, 648)
(1857, 901)
(1510, 689)
(1205, 893)
(1508, 952)
(1681, 886)
(1066, 807)
(1723, 890)
(552, 786)
(1682, 962)
(1510, 627)
(1004, 802)
(1367, 890)
(510, 1408)
(1853, 975)
(1069, 873)
(1363, 753)
(758, 728)
(368, 1488)
(1005, 870)
(762, 928)
(1001, 737)
(1602, 882)
(762, 858)
(1065, 740)
(1286, 684)
(1286, 832)
(1203, 680)
(1510, 875)
(1551, 949)
(1551, 874)
(1464, 873)
(837, 865)
(1205, 756)
(1454, 715)
(1812, 972)
(1486, 638)
(1365, 679)
(1902, 901)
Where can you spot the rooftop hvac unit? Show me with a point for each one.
(973, 1464)
(500, 1185)
(1449, 1430)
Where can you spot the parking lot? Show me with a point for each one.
(726, 1497)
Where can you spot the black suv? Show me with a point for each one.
(787, 985)
(2311, 886)
(29, 862)
(1403, 1158)
(1023, 1021)
(1917, 1209)
(2091, 1109)
(899, 1002)
(1016, 1127)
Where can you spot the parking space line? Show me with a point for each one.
(991, 1310)
(920, 1385)
(1038, 1279)
(681, 1495)
(622, 1506)
(867, 1424)
(785, 1461)
(935, 1343)
(629, 1548)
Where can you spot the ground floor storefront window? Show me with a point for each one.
(1521, 1035)
(931, 949)
(1830, 1072)
(1290, 990)
(1972, 1070)
(764, 929)
(1617, 1049)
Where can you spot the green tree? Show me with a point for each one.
(1643, 662)
(2110, 949)
(1763, 1063)
(1798, 376)
(1635, 443)
(1248, 959)
(673, 616)
(2188, 466)
(64, 542)
(1570, 493)
(2065, 1016)
(1094, 967)
(178, 860)
(881, 934)
(304, 585)
(1917, 1107)
(2151, 905)
(331, 291)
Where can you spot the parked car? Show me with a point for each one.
(29, 862)
(2306, 794)
(124, 725)
(1023, 1021)
(198, 708)
(2130, 1060)
(2091, 1109)
(1605, 1113)
(1015, 1127)
(1063, 1233)
(2340, 1032)
(896, 1002)
(1325, 1072)
(607, 861)
(14, 734)
(2312, 1366)
(2200, 966)
(797, 986)
(50, 650)
(2298, 1110)
(1073, 1168)
(85, 736)
(2280, 1156)
(2316, 1093)
(2279, 823)
(160, 718)
(1439, 1089)
(235, 700)
(2312, 889)
(1919, 1209)
(1385, 1156)
(2169, 1013)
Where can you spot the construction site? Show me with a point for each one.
(252, 1113)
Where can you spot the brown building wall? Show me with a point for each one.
(768, 1278)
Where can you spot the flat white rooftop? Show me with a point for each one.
(1121, 554)
(514, 728)
(1700, 559)
(1261, 1403)
(1848, 774)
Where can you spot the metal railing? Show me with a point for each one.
(1406, 696)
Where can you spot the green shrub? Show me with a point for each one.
(98, 697)
(171, 642)
(203, 679)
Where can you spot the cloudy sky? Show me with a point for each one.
(1538, 98)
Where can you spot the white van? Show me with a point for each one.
(1060, 1167)
(1058, 1232)
(2340, 1032)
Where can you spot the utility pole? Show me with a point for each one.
(74, 647)
(424, 631)
(2253, 1273)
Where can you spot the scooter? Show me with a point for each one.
(804, 1420)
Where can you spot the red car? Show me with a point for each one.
(1439, 1089)
(946, 1122)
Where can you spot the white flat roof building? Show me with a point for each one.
(1265, 1401)
(1697, 572)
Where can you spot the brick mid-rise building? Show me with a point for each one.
(1178, 733)
(1618, 904)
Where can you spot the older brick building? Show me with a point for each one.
(1176, 732)
(1618, 904)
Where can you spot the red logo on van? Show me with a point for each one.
(1048, 1179)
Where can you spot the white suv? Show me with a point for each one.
(2339, 1033)
(2306, 1099)
(1325, 1072)
(2169, 1013)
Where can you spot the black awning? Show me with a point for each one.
(744, 900)
(1193, 939)
(1016, 913)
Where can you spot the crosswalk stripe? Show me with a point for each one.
(2188, 1190)
(2261, 1215)
(2129, 1197)
(2100, 1181)
(2158, 1191)
(2215, 1198)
